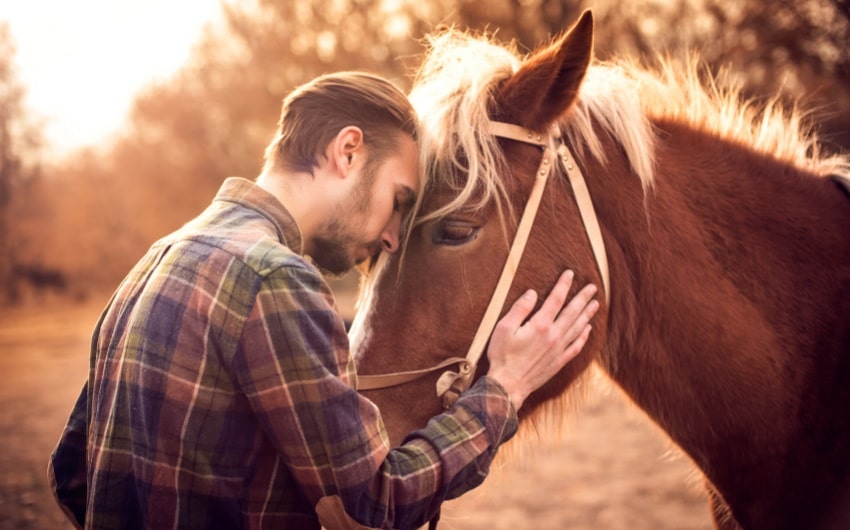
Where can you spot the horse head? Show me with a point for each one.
(423, 305)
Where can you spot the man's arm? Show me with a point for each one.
(333, 438)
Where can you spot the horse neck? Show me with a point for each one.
(707, 272)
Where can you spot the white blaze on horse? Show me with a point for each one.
(725, 242)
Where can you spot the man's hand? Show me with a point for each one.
(524, 356)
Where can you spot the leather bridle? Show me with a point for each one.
(453, 383)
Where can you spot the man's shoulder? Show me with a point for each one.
(262, 254)
(248, 238)
(261, 251)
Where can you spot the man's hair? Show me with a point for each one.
(315, 112)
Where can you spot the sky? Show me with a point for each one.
(82, 61)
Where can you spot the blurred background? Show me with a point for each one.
(78, 205)
(120, 119)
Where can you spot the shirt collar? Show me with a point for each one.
(250, 195)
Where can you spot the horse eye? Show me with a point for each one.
(454, 233)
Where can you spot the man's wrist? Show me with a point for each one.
(512, 398)
(499, 403)
(515, 395)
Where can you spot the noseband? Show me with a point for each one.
(451, 384)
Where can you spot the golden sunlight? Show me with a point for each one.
(82, 62)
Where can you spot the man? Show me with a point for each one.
(220, 389)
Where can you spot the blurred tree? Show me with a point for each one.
(85, 218)
(20, 140)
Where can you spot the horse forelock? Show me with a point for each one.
(452, 93)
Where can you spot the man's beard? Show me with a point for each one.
(332, 247)
(331, 256)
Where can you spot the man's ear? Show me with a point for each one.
(347, 149)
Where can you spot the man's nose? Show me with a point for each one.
(390, 235)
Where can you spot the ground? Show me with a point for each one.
(609, 468)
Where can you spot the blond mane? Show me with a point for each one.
(451, 93)
(460, 72)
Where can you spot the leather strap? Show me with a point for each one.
(520, 134)
(458, 383)
(588, 216)
(579, 185)
(371, 382)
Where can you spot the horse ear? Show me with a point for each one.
(547, 83)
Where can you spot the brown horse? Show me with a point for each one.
(728, 320)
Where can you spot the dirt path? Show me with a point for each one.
(44, 360)
(609, 469)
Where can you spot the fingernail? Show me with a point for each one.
(569, 274)
(529, 294)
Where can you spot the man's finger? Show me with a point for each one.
(555, 301)
(578, 304)
(574, 327)
(519, 311)
(575, 346)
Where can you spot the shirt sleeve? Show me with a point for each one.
(295, 368)
(66, 469)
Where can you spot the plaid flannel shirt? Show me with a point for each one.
(220, 396)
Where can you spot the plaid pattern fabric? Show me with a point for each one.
(220, 396)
